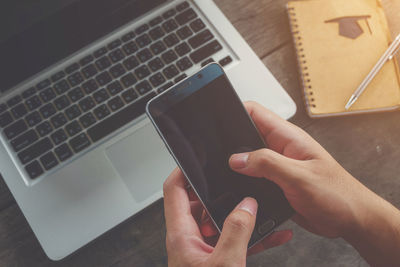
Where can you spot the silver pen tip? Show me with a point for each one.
(352, 100)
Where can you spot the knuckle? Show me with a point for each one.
(238, 220)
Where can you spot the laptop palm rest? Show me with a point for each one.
(142, 162)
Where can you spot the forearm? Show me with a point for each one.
(376, 236)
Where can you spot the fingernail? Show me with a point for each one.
(239, 161)
(249, 205)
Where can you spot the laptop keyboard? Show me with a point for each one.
(72, 109)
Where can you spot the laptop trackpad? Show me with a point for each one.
(142, 161)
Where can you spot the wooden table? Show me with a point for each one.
(367, 146)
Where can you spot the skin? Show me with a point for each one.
(328, 201)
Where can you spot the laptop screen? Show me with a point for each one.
(36, 34)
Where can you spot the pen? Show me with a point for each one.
(387, 56)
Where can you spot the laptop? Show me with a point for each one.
(77, 151)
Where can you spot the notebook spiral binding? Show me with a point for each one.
(301, 59)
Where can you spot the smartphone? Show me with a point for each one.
(203, 122)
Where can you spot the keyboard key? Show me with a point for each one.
(63, 152)
(182, 6)
(101, 112)
(15, 129)
(19, 111)
(128, 80)
(131, 63)
(33, 119)
(144, 55)
(47, 110)
(197, 25)
(76, 94)
(5, 119)
(171, 40)
(142, 29)
(208, 61)
(43, 84)
(58, 120)
(182, 49)
(27, 93)
(62, 102)
(170, 26)
(49, 161)
(103, 63)
(103, 78)
(205, 51)
(73, 112)
(47, 95)
(130, 48)
(143, 87)
(14, 101)
(100, 52)
(33, 102)
(24, 140)
(186, 16)
(90, 86)
(170, 71)
(128, 36)
(116, 55)
(87, 120)
(164, 87)
(117, 71)
(142, 72)
(79, 143)
(86, 60)
(89, 71)
(158, 47)
(87, 104)
(75, 79)
(114, 88)
(156, 64)
(61, 87)
(44, 129)
(119, 119)
(225, 61)
(156, 33)
(129, 95)
(143, 40)
(57, 76)
(200, 39)
(155, 21)
(169, 13)
(180, 78)
(35, 150)
(115, 103)
(73, 128)
(101, 96)
(157, 79)
(184, 32)
(3, 107)
(59, 136)
(34, 170)
(114, 44)
(71, 68)
(184, 64)
(169, 56)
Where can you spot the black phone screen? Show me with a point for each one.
(202, 131)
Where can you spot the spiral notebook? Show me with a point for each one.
(338, 42)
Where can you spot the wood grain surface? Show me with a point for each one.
(368, 146)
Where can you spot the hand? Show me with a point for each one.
(186, 245)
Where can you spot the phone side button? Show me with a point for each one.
(266, 227)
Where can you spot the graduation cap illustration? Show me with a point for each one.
(350, 26)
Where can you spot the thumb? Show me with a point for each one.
(236, 233)
(267, 163)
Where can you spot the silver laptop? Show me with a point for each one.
(77, 151)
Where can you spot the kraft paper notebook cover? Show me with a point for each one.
(338, 42)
